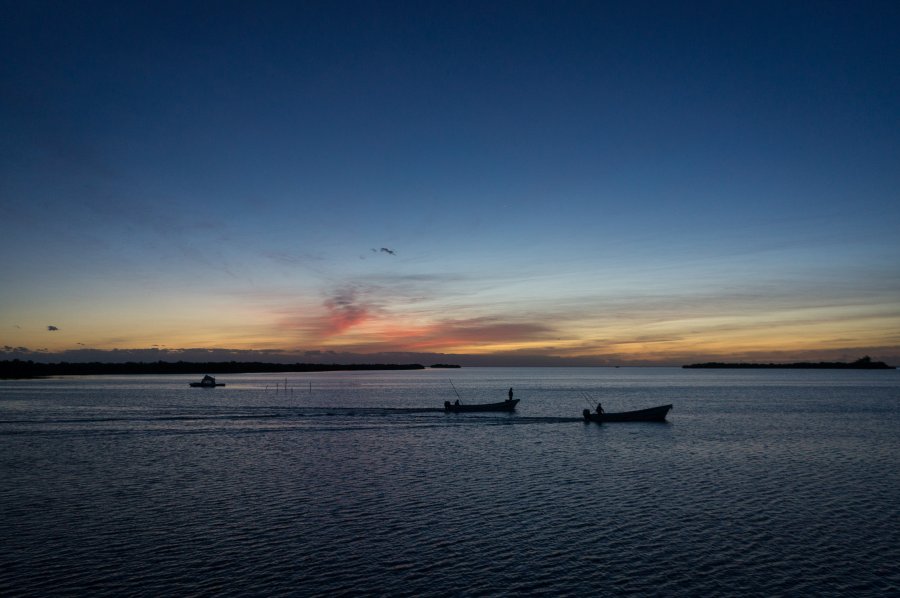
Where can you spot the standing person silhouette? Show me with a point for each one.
(510, 393)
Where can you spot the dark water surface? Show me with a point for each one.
(766, 482)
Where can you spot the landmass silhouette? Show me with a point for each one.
(864, 363)
(17, 368)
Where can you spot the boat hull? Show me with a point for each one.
(202, 385)
(501, 406)
(653, 414)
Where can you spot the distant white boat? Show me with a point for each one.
(207, 382)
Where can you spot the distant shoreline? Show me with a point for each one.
(860, 364)
(18, 369)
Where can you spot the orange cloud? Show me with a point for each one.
(492, 332)
(476, 334)
(344, 311)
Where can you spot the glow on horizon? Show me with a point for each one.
(652, 341)
(642, 316)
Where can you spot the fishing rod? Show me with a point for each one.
(584, 396)
(454, 389)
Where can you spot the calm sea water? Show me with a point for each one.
(769, 482)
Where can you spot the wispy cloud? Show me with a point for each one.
(290, 258)
(448, 335)
(344, 310)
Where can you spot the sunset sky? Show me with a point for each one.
(502, 182)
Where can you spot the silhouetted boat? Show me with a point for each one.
(207, 382)
(508, 405)
(653, 414)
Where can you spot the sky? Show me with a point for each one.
(490, 183)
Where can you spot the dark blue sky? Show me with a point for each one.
(622, 180)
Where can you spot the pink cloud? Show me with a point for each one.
(344, 311)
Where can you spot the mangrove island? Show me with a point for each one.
(864, 363)
(17, 368)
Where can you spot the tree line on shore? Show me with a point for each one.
(864, 363)
(17, 368)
